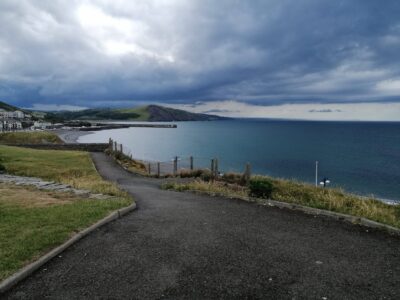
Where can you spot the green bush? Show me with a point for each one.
(206, 175)
(260, 188)
(2, 168)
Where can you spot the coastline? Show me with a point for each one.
(70, 136)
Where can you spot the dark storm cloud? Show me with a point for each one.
(264, 52)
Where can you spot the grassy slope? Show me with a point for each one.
(7, 107)
(69, 167)
(34, 137)
(304, 194)
(137, 114)
(30, 224)
(142, 112)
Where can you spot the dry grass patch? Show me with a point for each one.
(73, 168)
(128, 163)
(30, 137)
(29, 197)
(212, 188)
(299, 193)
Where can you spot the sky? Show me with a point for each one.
(303, 59)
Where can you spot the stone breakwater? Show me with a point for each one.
(49, 185)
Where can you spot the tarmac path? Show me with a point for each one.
(187, 246)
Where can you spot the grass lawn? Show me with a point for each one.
(69, 167)
(29, 137)
(34, 221)
(299, 193)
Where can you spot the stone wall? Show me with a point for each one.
(92, 147)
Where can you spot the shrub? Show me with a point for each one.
(190, 173)
(260, 187)
(206, 175)
(2, 168)
(232, 178)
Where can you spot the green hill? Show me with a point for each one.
(8, 107)
(152, 113)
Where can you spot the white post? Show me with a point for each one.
(316, 173)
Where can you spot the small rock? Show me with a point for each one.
(318, 262)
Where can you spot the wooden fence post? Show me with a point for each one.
(176, 165)
(115, 146)
(212, 169)
(110, 144)
(121, 148)
(216, 168)
(149, 168)
(191, 163)
(158, 169)
(247, 173)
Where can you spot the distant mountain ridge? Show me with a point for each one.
(151, 113)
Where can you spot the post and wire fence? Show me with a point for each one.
(187, 164)
(178, 165)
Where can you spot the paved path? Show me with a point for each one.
(186, 246)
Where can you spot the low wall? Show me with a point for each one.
(92, 147)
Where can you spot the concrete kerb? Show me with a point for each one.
(11, 281)
(315, 211)
(349, 218)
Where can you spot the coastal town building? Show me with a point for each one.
(41, 125)
(10, 125)
(12, 120)
(13, 114)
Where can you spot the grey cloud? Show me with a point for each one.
(328, 110)
(264, 52)
(218, 111)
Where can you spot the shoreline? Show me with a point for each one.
(71, 136)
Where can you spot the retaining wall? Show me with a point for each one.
(92, 147)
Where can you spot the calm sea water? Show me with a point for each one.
(361, 157)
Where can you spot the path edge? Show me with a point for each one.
(355, 220)
(26, 271)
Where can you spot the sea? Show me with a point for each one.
(359, 157)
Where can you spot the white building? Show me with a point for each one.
(11, 114)
(10, 125)
(19, 114)
(41, 125)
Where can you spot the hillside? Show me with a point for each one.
(152, 113)
(7, 107)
